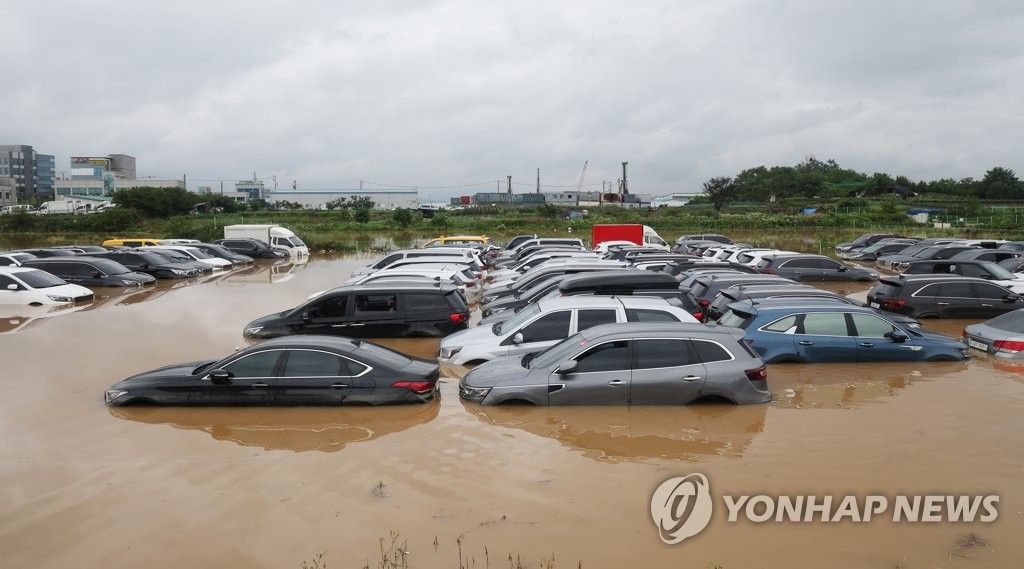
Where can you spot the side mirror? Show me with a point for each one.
(306, 318)
(220, 377)
(12, 287)
(97, 274)
(1011, 298)
(566, 367)
(843, 268)
(518, 338)
(898, 336)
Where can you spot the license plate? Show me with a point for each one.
(977, 345)
(875, 305)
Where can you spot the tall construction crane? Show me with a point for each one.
(583, 174)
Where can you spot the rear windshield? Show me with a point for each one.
(744, 258)
(887, 288)
(736, 319)
(394, 359)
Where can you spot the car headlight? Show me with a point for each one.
(58, 298)
(180, 272)
(873, 275)
(449, 351)
(129, 283)
(253, 331)
(112, 394)
(467, 392)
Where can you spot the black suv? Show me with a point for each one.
(942, 296)
(252, 247)
(90, 271)
(802, 267)
(387, 310)
(152, 264)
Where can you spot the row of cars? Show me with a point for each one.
(561, 324)
(57, 275)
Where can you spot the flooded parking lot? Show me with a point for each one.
(87, 486)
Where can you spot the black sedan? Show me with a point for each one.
(295, 370)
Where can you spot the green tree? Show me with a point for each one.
(258, 204)
(720, 191)
(402, 216)
(361, 215)
(156, 202)
(1000, 183)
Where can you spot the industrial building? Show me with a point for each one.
(100, 176)
(32, 173)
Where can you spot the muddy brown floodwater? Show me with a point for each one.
(88, 487)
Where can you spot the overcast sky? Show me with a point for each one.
(446, 93)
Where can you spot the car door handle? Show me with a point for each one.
(354, 324)
(867, 345)
(986, 306)
(617, 382)
(942, 303)
(691, 378)
(805, 343)
(261, 384)
(338, 385)
(338, 325)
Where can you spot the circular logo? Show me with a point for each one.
(681, 507)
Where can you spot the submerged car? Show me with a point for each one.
(91, 271)
(825, 332)
(627, 364)
(1002, 336)
(300, 370)
(24, 285)
(372, 310)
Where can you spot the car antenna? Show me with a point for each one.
(357, 342)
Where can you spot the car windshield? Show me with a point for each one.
(517, 320)
(296, 242)
(40, 279)
(999, 272)
(198, 253)
(557, 353)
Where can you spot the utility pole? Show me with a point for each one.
(510, 185)
(625, 186)
(360, 185)
(538, 180)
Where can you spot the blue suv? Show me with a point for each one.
(827, 332)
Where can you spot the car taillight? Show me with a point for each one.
(458, 317)
(757, 374)
(766, 271)
(698, 316)
(470, 284)
(415, 386)
(1009, 346)
(892, 303)
(478, 275)
(964, 333)
(704, 303)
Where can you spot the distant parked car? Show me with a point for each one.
(987, 270)
(47, 252)
(1001, 337)
(251, 247)
(863, 241)
(196, 255)
(33, 287)
(15, 259)
(703, 237)
(828, 332)
(899, 261)
(993, 255)
(300, 370)
(387, 310)
(801, 267)
(943, 296)
(626, 364)
(541, 325)
(151, 263)
(873, 252)
(91, 271)
(221, 252)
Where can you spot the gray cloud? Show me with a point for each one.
(445, 93)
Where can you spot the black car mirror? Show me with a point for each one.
(97, 274)
(1012, 298)
(844, 268)
(306, 318)
(518, 338)
(220, 377)
(898, 336)
(568, 366)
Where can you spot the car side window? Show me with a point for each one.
(426, 302)
(647, 315)
(824, 324)
(610, 356)
(709, 352)
(312, 363)
(869, 326)
(590, 318)
(331, 307)
(554, 326)
(6, 281)
(797, 264)
(827, 264)
(387, 261)
(931, 290)
(663, 352)
(956, 290)
(989, 292)
(782, 325)
(260, 364)
(376, 302)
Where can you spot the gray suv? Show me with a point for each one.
(627, 364)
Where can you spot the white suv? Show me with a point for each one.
(24, 285)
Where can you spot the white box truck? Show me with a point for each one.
(59, 206)
(274, 235)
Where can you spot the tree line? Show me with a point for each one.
(165, 202)
(813, 178)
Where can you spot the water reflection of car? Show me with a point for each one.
(388, 310)
(20, 318)
(299, 430)
(24, 285)
(264, 273)
(627, 364)
(637, 433)
(1000, 337)
(251, 247)
(298, 370)
(810, 331)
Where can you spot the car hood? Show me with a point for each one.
(936, 338)
(157, 376)
(69, 289)
(502, 371)
(267, 320)
(470, 336)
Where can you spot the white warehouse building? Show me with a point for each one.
(315, 199)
